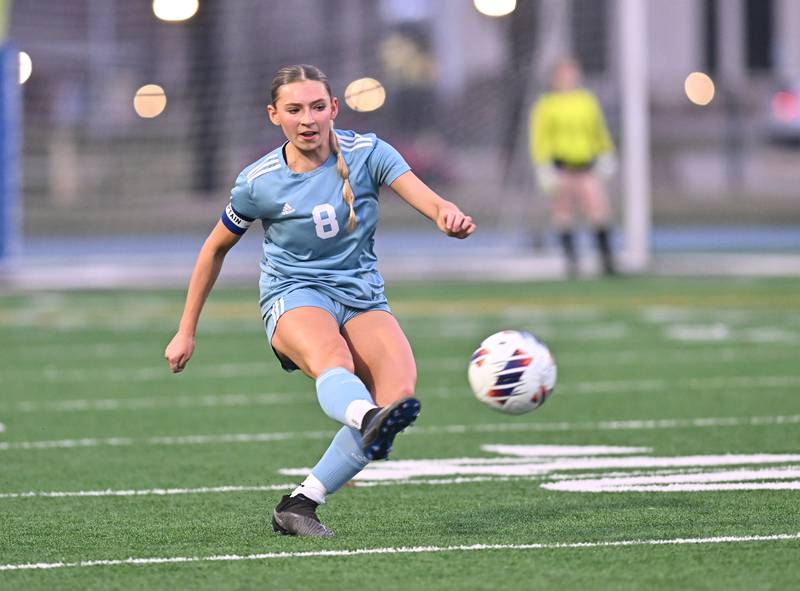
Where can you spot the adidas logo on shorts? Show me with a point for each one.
(287, 209)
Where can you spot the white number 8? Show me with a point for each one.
(325, 220)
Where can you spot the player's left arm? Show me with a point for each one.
(445, 214)
(602, 139)
(605, 160)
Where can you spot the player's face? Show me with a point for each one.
(566, 77)
(304, 110)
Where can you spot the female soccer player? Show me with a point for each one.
(321, 296)
(573, 153)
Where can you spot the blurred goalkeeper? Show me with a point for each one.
(573, 156)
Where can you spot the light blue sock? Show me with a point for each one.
(337, 388)
(341, 461)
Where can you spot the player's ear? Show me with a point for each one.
(272, 113)
(334, 107)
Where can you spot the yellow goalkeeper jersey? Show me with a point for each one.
(568, 127)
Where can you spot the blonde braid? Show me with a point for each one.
(344, 172)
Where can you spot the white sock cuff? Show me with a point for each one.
(311, 488)
(355, 412)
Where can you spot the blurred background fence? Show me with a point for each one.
(101, 181)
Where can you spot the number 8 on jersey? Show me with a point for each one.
(325, 220)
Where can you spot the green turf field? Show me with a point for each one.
(686, 389)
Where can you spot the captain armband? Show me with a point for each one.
(234, 221)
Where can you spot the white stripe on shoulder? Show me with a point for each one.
(357, 146)
(259, 168)
(365, 140)
(269, 162)
(344, 135)
(355, 139)
(251, 177)
(266, 162)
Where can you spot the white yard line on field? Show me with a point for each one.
(699, 487)
(738, 479)
(115, 349)
(90, 352)
(684, 355)
(568, 480)
(710, 422)
(145, 492)
(152, 372)
(705, 383)
(400, 550)
(611, 358)
(165, 492)
(144, 403)
(212, 400)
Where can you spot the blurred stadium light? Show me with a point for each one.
(495, 7)
(699, 88)
(150, 101)
(175, 10)
(365, 94)
(25, 67)
(102, 185)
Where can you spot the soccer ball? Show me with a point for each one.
(512, 371)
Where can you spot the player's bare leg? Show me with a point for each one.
(563, 214)
(384, 361)
(594, 201)
(310, 338)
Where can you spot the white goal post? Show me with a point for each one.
(635, 134)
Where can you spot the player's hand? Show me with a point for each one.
(547, 178)
(453, 222)
(605, 166)
(179, 351)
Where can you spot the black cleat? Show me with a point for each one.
(378, 434)
(297, 516)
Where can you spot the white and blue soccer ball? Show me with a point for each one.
(512, 371)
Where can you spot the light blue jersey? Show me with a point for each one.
(304, 215)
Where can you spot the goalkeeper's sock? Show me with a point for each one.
(604, 246)
(568, 245)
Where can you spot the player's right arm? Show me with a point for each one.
(237, 217)
(539, 136)
(206, 269)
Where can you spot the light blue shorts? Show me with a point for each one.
(306, 296)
